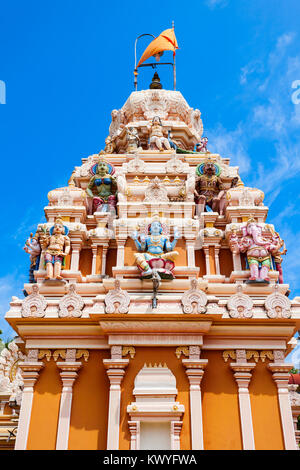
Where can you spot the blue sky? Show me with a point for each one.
(67, 64)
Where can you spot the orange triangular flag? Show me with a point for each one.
(166, 41)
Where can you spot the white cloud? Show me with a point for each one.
(230, 144)
(216, 3)
(294, 357)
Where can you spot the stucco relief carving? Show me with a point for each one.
(11, 381)
(156, 192)
(175, 165)
(240, 305)
(278, 305)
(194, 300)
(71, 304)
(34, 305)
(117, 300)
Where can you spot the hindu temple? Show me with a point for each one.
(156, 313)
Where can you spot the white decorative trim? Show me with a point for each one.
(71, 304)
(240, 305)
(117, 296)
(34, 305)
(194, 296)
(278, 305)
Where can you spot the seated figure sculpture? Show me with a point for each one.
(56, 246)
(104, 185)
(207, 187)
(155, 252)
(157, 139)
(259, 250)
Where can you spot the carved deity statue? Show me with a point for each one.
(222, 200)
(258, 249)
(157, 139)
(56, 246)
(156, 251)
(110, 146)
(102, 187)
(208, 186)
(201, 146)
(133, 140)
(33, 248)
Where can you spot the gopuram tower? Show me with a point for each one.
(156, 315)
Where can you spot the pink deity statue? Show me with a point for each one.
(259, 250)
(56, 246)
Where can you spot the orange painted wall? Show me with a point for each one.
(265, 410)
(212, 260)
(45, 409)
(200, 262)
(85, 261)
(220, 408)
(111, 260)
(88, 427)
(226, 262)
(152, 355)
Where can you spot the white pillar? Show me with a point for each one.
(30, 373)
(195, 372)
(120, 252)
(190, 246)
(68, 376)
(206, 251)
(103, 264)
(242, 375)
(94, 262)
(237, 264)
(281, 375)
(217, 260)
(115, 371)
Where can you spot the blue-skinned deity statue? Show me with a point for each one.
(156, 251)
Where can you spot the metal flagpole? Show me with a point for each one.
(174, 65)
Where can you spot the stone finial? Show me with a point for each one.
(155, 84)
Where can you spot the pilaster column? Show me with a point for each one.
(242, 374)
(207, 263)
(120, 252)
(237, 264)
(217, 260)
(68, 376)
(76, 247)
(195, 371)
(30, 373)
(175, 434)
(190, 246)
(280, 372)
(103, 264)
(115, 371)
(94, 261)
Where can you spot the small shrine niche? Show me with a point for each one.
(155, 411)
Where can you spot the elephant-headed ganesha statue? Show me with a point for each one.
(156, 251)
(260, 251)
